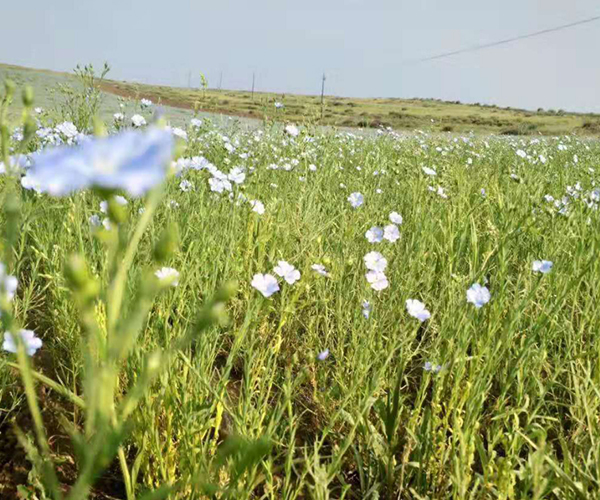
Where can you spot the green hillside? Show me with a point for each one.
(401, 114)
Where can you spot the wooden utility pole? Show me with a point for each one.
(220, 80)
(253, 81)
(323, 96)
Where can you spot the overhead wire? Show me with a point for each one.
(482, 46)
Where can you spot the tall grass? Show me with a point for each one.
(247, 410)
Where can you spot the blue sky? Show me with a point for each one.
(362, 45)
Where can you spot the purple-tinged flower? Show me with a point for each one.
(374, 235)
(542, 266)
(417, 310)
(431, 367)
(323, 355)
(356, 200)
(134, 161)
(265, 284)
(320, 268)
(32, 343)
(366, 309)
(478, 295)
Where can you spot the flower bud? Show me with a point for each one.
(153, 364)
(9, 87)
(226, 291)
(77, 273)
(4, 137)
(99, 128)
(167, 243)
(180, 148)
(29, 128)
(117, 213)
(218, 314)
(28, 96)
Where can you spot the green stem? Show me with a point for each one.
(63, 391)
(36, 415)
(115, 301)
(120, 280)
(125, 473)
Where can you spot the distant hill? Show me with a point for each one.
(400, 114)
(45, 83)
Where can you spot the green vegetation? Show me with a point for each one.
(400, 114)
(47, 86)
(142, 390)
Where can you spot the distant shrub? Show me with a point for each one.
(83, 101)
(589, 124)
(520, 129)
(591, 127)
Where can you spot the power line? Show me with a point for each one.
(505, 41)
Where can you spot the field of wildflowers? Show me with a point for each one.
(191, 312)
